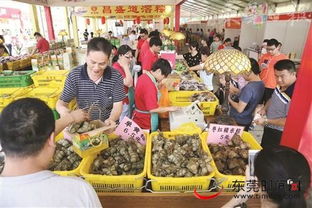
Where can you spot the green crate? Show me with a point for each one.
(15, 79)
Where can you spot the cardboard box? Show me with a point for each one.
(90, 142)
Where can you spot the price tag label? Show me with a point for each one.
(129, 129)
(220, 134)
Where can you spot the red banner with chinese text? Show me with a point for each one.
(10, 13)
(127, 12)
(291, 16)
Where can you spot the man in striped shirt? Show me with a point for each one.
(96, 86)
(276, 109)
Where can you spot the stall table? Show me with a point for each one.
(167, 200)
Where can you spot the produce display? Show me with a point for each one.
(231, 158)
(224, 120)
(1, 161)
(121, 158)
(180, 67)
(15, 62)
(5, 95)
(192, 85)
(13, 73)
(203, 97)
(82, 127)
(179, 157)
(4, 59)
(64, 158)
(188, 75)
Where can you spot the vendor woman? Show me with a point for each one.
(206, 77)
(146, 96)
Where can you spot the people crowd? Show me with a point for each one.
(104, 87)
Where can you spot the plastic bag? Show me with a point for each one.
(164, 101)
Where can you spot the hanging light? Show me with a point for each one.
(138, 20)
(177, 36)
(103, 20)
(167, 32)
(227, 62)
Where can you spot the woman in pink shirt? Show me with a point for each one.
(121, 63)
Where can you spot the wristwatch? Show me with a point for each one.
(266, 122)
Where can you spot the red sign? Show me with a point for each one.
(10, 13)
(292, 16)
(233, 23)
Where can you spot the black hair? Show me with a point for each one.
(280, 165)
(265, 40)
(2, 38)
(143, 31)
(204, 39)
(285, 64)
(254, 66)
(2, 46)
(122, 50)
(37, 34)
(110, 32)
(227, 40)
(154, 33)
(25, 126)
(163, 65)
(155, 41)
(194, 44)
(100, 44)
(218, 36)
(205, 51)
(133, 32)
(272, 42)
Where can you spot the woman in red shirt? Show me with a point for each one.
(122, 65)
(146, 96)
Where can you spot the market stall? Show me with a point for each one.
(123, 165)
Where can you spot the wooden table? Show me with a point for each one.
(156, 200)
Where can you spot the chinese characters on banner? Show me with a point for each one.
(222, 133)
(129, 129)
(127, 12)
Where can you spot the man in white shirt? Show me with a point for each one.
(27, 130)
(133, 40)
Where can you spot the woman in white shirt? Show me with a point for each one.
(206, 77)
